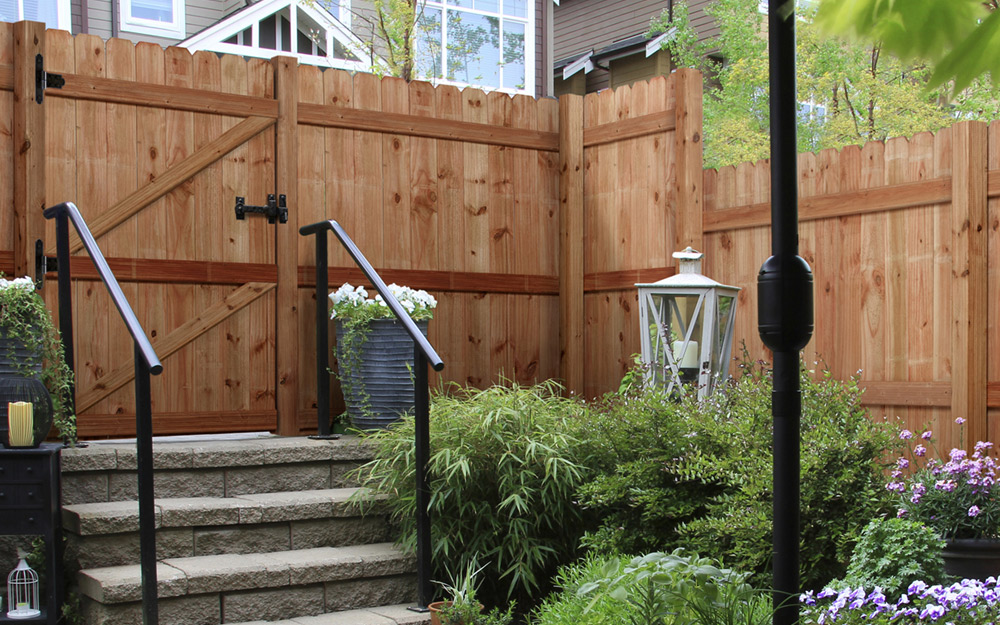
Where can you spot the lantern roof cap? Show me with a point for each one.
(688, 274)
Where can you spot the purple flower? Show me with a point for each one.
(905, 435)
(920, 451)
(945, 485)
(960, 420)
(902, 463)
(974, 511)
(927, 435)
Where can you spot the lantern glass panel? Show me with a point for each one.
(675, 329)
(722, 320)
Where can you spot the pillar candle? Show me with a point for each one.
(690, 358)
(20, 423)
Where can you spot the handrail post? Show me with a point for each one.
(65, 292)
(147, 511)
(421, 417)
(322, 340)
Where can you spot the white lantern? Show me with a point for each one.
(687, 323)
(22, 592)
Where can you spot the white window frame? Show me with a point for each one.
(213, 37)
(529, 44)
(64, 16)
(171, 30)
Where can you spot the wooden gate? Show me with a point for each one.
(154, 146)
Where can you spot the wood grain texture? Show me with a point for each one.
(172, 178)
(100, 89)
(877, 200)
(286, 247)
(969, 297)
(28, 147)
(404, 124)
(571, 223)
(171, 343)
(98, 426)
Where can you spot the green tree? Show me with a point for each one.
(961, 38)
(852, 91)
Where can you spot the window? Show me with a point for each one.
(55, 13)
(485, 43)
(160, 18)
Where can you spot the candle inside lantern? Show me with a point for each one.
(20, 423)
(690, 358)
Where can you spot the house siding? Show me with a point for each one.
(582, 25)
(198, 14)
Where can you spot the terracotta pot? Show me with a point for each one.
(435, 610)
(972, 558)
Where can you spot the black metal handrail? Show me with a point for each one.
(146, 364)
(423, 354)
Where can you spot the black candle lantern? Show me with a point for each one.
(23, 389)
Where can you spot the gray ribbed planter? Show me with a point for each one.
(16, 359)
(380, 388)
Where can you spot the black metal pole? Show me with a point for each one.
(785, 309)
(322, 340)
(147, 512)
(65, 295)
(421, 456)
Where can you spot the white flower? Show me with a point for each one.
(24, 283)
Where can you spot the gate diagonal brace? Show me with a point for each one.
(274, 211)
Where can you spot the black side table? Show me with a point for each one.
(30, 505)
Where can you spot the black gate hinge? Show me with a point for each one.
(275, 209)
(43, 264)
(45, 80)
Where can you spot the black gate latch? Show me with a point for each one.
(273, 210)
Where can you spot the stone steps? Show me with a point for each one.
(107, 472)
(107, 534)
(248, 531)
(205, 590)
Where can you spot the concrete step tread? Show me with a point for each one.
(113, 517)
(204, 454)
(385, 615)
(178, 577)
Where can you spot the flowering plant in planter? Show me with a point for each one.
(24, 318)
(969, 602)
(958, 497)
(353, 306)
(374, 353)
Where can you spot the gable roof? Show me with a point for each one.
(263, 30)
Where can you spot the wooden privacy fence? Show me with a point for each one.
(530, 220)
(902, 236)
(484, 199)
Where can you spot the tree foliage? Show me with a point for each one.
(850, 91)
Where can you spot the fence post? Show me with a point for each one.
(688, 158)
(969, 273)
(29, 148)
(571, 308)
(286, 151)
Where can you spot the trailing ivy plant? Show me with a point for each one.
(23, 316)
(352, 307)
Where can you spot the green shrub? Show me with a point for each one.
(654, 589)
(699, 474)
(503, 473)
(892, 553)
(567, 607)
